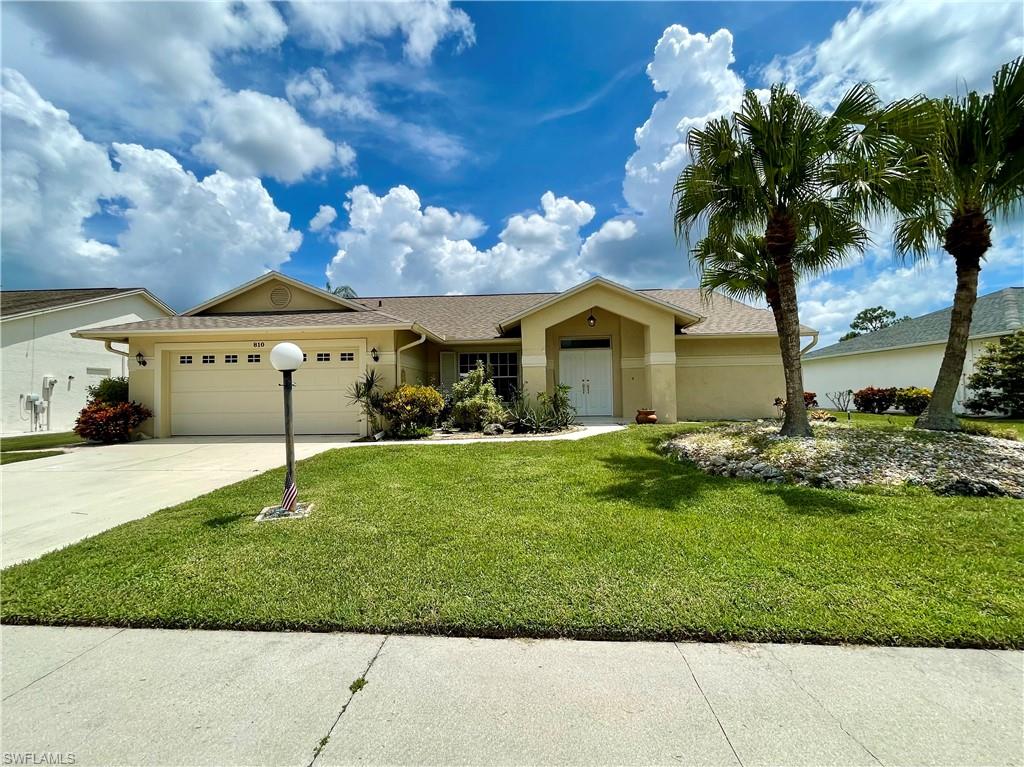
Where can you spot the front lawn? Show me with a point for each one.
(27, 456)
(900, 421)
(39, 441)
(602, 538)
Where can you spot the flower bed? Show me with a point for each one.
(844, 456)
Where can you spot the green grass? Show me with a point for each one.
(31, 456)
(895, 421)
(600, 538)
(39, 441)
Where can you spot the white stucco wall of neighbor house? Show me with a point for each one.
(41, 344)
(913, 366)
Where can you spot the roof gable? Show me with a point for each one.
(593, 283)
(274, 292)
(997, 313)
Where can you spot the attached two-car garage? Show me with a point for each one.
(227, 390)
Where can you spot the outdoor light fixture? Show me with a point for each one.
(591, 320)
(287, 358)
(374, 354)
(141, 359)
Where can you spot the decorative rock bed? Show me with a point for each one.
(844, 456)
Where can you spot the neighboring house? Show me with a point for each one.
(36, 342)
(909, 353)
(207, 371)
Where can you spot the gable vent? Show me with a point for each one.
(280, 296)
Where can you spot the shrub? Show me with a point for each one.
(559, 410)
(410, 409)
(810, 399)
(474, 401)
(913, 400)
(100, 422)
(367, 393)
(820, 415)
(998, 379)
(874, 400)
(553, 412)
(110, 391)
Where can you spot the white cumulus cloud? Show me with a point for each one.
(183, 237)
(423, 24)
(936, 48)
(694, 72)
(324, 218)
(394, 240)
(250, 133)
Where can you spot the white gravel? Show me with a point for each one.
(841, 455)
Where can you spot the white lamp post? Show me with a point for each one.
(287, 358)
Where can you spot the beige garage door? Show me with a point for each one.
(237, 391)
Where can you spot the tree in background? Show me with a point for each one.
(872, 319)
(342, 291)
(972, 175)
(801, 181)
(997, 384)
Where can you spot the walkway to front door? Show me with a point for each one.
(589, 373)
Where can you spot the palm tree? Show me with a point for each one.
(344, 291)
(974, 174)
(804, 180)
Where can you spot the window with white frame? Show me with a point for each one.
(502, 368)
(346, 356)
(323, 356)
(209, 359)
(185, 359)
(254, 358)
(231, 359)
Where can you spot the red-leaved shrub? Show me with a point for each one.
(871, 399)
(810, 399)
(100, 422)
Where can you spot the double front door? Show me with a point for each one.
(589, 373)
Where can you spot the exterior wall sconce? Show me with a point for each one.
(141, 359)
(374, 354)
(591, 320)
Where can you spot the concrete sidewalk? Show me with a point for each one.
(152, 697)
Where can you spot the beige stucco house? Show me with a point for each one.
(207, 371)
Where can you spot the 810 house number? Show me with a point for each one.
(258, 344)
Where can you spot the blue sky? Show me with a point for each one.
(474, 147)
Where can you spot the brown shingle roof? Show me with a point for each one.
(241, 321)
(15, 302)
(462, 317)
(476, 317)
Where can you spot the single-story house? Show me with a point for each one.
(909, 353)
(44, 368)
(207, 371)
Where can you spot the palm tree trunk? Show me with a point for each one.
(787, 322)
(939, 414)
(967, 240)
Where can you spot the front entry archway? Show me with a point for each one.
(587, 369)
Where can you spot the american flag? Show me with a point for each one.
(291, 493)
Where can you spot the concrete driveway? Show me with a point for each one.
(52, 502)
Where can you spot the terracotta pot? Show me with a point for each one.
(646, 416)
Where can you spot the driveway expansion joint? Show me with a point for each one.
(708, 702)
(353, 691)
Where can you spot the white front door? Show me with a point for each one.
(589, 373)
